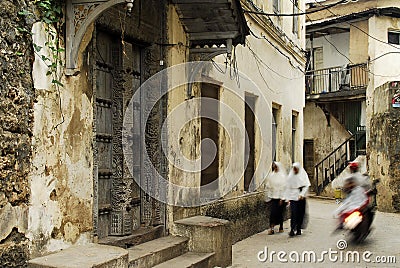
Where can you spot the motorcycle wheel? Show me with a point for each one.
(361, 231)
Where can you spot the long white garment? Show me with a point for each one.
(276, 183)
(356, 199)
(297, 184)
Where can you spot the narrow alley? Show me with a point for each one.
(318, 238)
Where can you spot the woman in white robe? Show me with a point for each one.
(296, 191)
(276, 185)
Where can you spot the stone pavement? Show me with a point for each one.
(383, 242)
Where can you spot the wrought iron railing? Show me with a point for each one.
(350, 77)
(332, 165)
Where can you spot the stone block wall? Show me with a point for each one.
(248, 214)
(384, 147)
(16, 116)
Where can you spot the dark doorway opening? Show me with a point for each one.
(209, 135)
(249, 151)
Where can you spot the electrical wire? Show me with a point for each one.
(262, 76)
(358, 28)
(268, 67)
(277, 49)
(385, 54)
(295, 14)
(364, 68)
(277, 29)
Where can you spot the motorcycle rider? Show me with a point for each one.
(356, 197)
(361, 179)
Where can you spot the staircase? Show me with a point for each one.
(201, 242)
(334, 163)
(164, 252)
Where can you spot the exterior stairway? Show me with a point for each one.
(164, 252)
(167, 251)
(329, 168)
(201, 242)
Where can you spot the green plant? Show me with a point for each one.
(50, 12)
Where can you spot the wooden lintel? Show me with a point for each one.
(213, 35)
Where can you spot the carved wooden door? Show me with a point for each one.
(117, 75)
(122, 206)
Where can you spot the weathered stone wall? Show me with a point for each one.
(16, 114)
(248, 214)
(384, 147)
(326, 137)
(62, 174)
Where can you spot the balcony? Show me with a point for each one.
(337, 83)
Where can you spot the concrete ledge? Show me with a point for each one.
(208, 235)
(248, 214)
(84, 256)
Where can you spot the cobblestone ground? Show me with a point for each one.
(383, 244)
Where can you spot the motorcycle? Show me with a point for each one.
(358, 222)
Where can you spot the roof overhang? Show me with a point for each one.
(317, 26)
(212, 22)
(339, 96)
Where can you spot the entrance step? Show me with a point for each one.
(84, 256)
(157, 251)
(139, 236)
(189, 259)
(208, 235)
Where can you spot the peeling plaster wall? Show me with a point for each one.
(384, 147)
(274, 88)
(60, 211)
(186, 138)
(282, 84)
(16, 116)
(326, 138)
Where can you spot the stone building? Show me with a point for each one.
(101, 131)
(353, 50)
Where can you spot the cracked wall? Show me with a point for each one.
(16, 115)
(60, 211)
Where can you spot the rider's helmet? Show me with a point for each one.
(354, 166)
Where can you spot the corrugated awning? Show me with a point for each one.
(212, 22)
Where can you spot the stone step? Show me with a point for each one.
(157, 251)
(83, 256)
(189, 259)
(141, 235)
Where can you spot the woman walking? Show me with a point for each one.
(296, 190)
(276, 185)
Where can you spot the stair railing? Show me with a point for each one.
(332, 165)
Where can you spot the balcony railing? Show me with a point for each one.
(350, 77)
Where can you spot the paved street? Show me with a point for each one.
(383, 241)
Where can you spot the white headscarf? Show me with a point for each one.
(277, 179)
(298, 180)
(276, 182)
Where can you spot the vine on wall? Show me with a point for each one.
(50, 13)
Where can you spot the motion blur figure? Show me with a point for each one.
(296, 191)
(276, 185)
